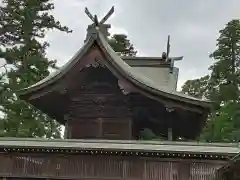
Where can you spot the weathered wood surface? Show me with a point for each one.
(98, 109)
(230, 172)
(103, 167)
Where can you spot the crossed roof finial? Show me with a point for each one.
(95, 18)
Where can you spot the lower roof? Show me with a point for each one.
(220, 149)
(138, 61)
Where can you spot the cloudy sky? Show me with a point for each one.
(193, 26)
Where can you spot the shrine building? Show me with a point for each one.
(105, 101)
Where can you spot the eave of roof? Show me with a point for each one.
(149, 58)
(184, 149)
(131, 74)
(146, 58)
(145, 61)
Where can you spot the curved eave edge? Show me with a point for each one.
(58, 73)
(119, 64)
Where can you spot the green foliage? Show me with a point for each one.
(23, 23)
(222, 87)
(225, 71)
(224, 125)
(122, 45)
(197, 88)
(22, 20)
(147, 134)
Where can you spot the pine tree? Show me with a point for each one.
(122, 45)
(197, 87)
(225, 85)
(23, 23)
(222, 87)
(225, 71)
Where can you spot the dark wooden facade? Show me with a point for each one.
(94, 100)
(63, 166)
(98, 108)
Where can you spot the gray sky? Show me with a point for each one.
(193, 26)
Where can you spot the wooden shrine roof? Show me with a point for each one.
(133, 76)
(168, 148)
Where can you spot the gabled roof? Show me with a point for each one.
(133, 76)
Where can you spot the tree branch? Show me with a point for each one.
(4, 66)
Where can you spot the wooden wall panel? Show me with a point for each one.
(112, 129)
(158, 170)
(134, 168)
(203, 171)
(88, 128)
(97, 104)
(104, 167)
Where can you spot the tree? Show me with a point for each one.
(222, 87)
(121, 44)
(197, 87)
(225, 71)
(224, 126)
(23, 23)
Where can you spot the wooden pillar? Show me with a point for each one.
(169, 115)
(170, 134)
(100, 122)
(125, 169)
(130, 132)
(169, 173)
(67, 131)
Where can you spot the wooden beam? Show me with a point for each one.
(170, 134)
